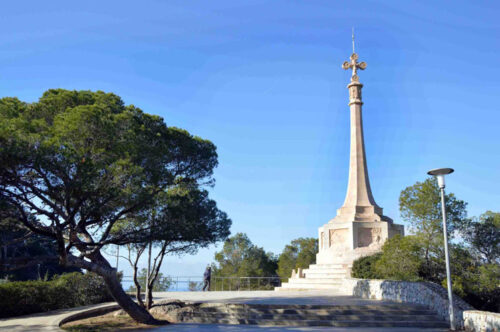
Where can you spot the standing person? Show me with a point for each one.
(206, 278)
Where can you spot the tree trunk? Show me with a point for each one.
(154, 273)
(137, 288)
(100, 266)
(149, 287)
(138, 313)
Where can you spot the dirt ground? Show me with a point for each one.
(106, 323)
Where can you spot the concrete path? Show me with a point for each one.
(46, 321)
(49, 321)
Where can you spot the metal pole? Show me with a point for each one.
(448, 273)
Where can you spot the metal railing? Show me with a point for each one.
(244, 283)
(177, 283)
(195, 283)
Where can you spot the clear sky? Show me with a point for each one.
(263, 81)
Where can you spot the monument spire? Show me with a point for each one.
(353, 51)
(359, 204)
(360, 228)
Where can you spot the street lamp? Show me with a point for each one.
(439, 174)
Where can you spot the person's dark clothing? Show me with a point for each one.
(206, 279)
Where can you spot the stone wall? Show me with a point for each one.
(475, 320)
(425, 293)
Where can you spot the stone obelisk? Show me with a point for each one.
(360, 228)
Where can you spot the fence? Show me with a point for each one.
(244, 283)
(195, 283)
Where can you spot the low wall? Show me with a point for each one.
(475, 320)
(424, 293)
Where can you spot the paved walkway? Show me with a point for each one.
(49, 321)
(45, 321)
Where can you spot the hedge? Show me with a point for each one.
(65, 291)
(364, 267)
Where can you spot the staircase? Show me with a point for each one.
(371, 315)
(317, 276)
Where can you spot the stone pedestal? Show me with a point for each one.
(343, 242)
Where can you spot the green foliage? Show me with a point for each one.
(76, 163)
(477, 284)
(420, 206)
(239, 257)
(21, 251)
(474, 263)
(87, 153)
(162, 283)
(364, 267)
(483, 235)
(401, 258)
(66, 291)
(195, 286)
(300, 253)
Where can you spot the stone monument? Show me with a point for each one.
(360, 227)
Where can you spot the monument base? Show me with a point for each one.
(342, 243)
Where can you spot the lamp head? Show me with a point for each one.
(439, 173)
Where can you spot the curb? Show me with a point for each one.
(86, 314)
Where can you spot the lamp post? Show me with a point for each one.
(439, 174)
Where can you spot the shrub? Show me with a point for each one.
(364, 267)
(401, 259)
(66, 291)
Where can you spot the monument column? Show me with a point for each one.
(359, 204)
(359, 228)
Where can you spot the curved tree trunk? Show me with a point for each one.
(138, 295)
(138, 313)
(100, 266)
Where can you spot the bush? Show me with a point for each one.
(478, 286)
(364, 267)
(401, 259)
(66, 291)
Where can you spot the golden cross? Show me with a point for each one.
(355, 65)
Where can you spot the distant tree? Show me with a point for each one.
(194, 286)
(483, 235)
(420, 206)
(300, 253)
(161, 283)
(82, 161)
(239, 257)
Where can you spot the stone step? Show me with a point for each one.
(319, 312)
(316, 274)
(325, 270)
(321, 309)
(336, 281)
(332, 323)
(308, 286)
(308, 316)
(329, 266)
(375, 306)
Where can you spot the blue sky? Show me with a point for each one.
(262, 80)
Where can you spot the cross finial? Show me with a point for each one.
(354, 64)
